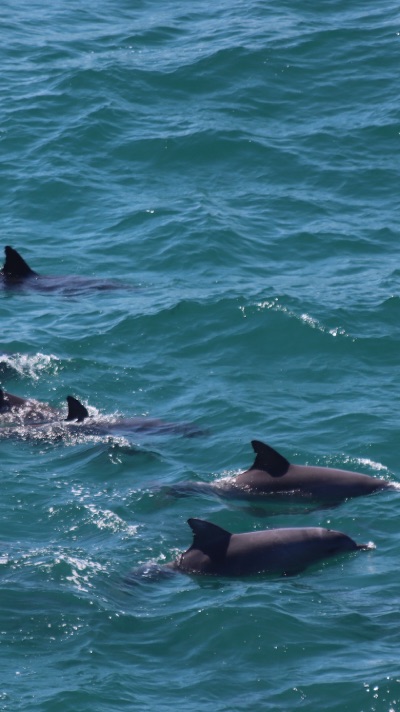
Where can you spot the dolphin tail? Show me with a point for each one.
(15, 266)
(76, 411)
(269, 460)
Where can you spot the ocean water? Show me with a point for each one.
(231, 171)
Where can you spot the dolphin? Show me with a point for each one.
(271, 472)
(272, 551)
(17, 273)
(272, 476)
(123, 426)
(37, 415)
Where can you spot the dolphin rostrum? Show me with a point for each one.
(274, 551)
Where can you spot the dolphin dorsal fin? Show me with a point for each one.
(76, 411)
(209, 538)
(269, 460)
(15, 265)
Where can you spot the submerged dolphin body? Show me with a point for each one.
(16, 273)
(273, 476)
(273, 551)
(124, 426)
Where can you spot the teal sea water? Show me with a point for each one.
(233, 169)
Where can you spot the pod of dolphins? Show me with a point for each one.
(284, 551)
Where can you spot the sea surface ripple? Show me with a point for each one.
(231, 173)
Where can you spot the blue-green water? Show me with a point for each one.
(237, 166)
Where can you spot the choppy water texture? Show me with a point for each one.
(233, 168)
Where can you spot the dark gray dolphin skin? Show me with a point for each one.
(26, 408)
(33, 412)
(272, 476)
(15, 266)
(76, 410)
(273, 551)
(123, 426)
(17, 273)
(272, 472)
